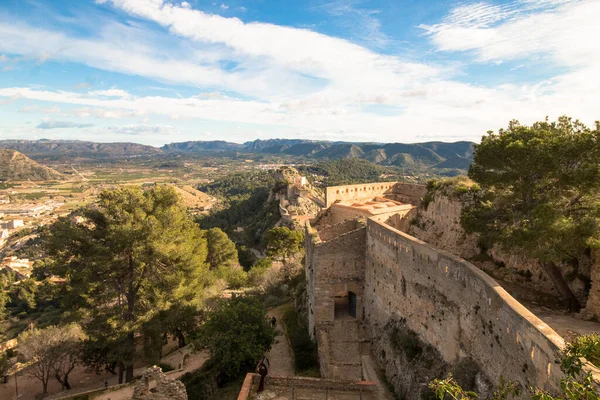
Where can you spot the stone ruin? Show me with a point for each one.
(155, 385)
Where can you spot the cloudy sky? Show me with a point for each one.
(155, 71)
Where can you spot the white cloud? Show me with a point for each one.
(143, 129)
(362, 23)
(37, 109)
(109, 93)
(223, 6)
(561, 31)
(61, 124)
(300, 82)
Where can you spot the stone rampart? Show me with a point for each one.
(409, 193)
(456, 308)
(357, 192)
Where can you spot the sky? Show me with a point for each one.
(157, 71)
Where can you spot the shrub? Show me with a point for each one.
(304, 348)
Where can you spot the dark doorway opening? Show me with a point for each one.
(345, 305)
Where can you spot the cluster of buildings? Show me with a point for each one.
(7, 227)
(22, 267)
(27, 209)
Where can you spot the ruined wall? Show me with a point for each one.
(456, 308)
(410, 193)
(333, 265)
(357, 192)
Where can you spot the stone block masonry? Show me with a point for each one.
(456, 308)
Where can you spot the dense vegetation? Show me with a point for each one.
(306, 361)
(134, 253)
(237, 334)
(539, 194)
(345, 172)
(245, 205)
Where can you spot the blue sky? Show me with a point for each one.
(155, 71)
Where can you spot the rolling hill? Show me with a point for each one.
(15, 166)
(76, 147)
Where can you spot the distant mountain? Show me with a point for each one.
(456, 155)
(15, 166)
(195, 147)
(44, 147)
(420, 156)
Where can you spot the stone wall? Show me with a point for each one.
(409, 193)
(403, 192)
(357, 192)
(333, 265)
(456, 308)
(439, 225)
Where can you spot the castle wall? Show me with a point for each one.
(409, 193)
(332, 267)
(456, 308)
(357, 192)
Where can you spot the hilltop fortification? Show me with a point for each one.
(375, 292)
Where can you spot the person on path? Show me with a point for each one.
(263, 370)
(273, 321)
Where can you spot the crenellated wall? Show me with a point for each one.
(456, 308)
(357, 192)
(403, 192)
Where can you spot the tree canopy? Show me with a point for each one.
(221, 250)
(237, 334)
(127, 257)
(540, 193)
(282, 242)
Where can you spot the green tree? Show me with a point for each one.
(53, 351)
(5, 365)
(283, 242)
(135, 253)
(540, 193)
(221, 250)
(23, 295)
(237, 334)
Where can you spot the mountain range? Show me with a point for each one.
(457, 155)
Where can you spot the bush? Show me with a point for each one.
(304, 348)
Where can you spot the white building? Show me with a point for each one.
(12, 224)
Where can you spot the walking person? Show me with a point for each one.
(263, 371)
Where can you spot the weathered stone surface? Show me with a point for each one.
(454, 308)
(154, 385)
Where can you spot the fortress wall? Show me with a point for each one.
(333, 266)
(410, 193)
(357, 192)
(456, 308)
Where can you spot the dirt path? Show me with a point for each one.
(280, 356)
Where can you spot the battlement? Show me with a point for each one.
(402, 192)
